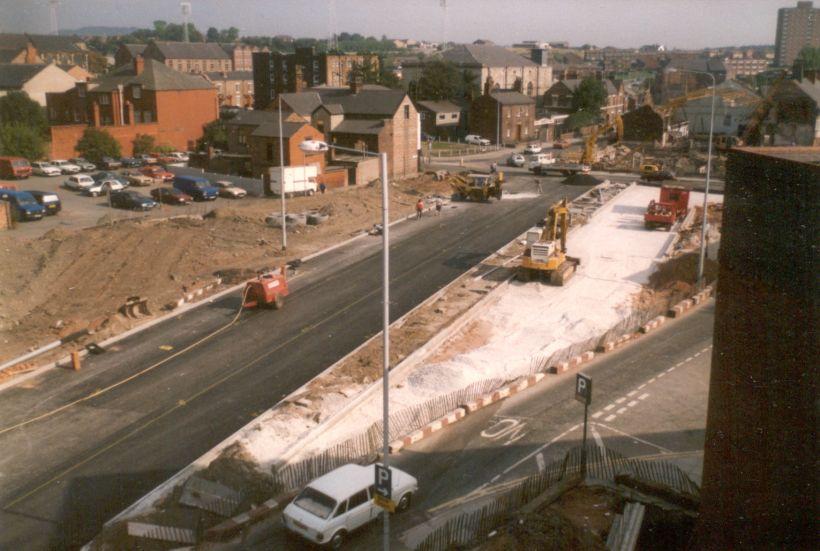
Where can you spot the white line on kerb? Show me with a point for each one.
(633, 403)
(689, 359)
(633, 393)
(597, 437)
(643, 385)
(661, 375)
(671, 369)
(609, 407)
(652, 380)
(610, 418)
(643, 396)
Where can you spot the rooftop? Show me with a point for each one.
(230, 75)
(485, 55)
(191, 50)
(359, 126)
(14, 76)
(371, 100)
(155, 76)
(271, 129)
(511, 98)
(803, 155)
(439, 106)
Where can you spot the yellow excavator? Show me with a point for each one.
(614, 127)
(545, 256)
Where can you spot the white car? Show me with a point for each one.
(65, 167)
(532, 148)
(540, 159)
(336, 504)
(103, 187)
(147, 159)
(227, 189)
(475, 139)
(516, 159)
(80, 182)
(179, 156)
(42, 168)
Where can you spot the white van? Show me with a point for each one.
(299, 180)
(336, 504)
(540, 159)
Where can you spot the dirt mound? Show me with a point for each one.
(579, 179)
(235, 469)
(680, 273)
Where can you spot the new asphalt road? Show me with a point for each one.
(64, 474)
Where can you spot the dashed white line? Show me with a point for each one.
(609, 407)
(620, 411)
(620, 400)
(643, 385)
(643, 396)
(633, 403)
(633, 393)
(597, 414)
(597, 437)
(661, 375)
(610, 418)
(671, 369)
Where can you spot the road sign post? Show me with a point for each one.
(384, 488)
(583, 393)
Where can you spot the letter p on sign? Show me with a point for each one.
(583, 389)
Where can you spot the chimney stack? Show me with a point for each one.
(355, 83)
(139, 64)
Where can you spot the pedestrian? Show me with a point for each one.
(419, 208)
(322, 188)
(438, 207)
(538, 186)
(492, 168)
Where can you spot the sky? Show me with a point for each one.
(620, 23)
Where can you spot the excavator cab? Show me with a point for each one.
(545, 259)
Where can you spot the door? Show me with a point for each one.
(358, 510)
(518, 133)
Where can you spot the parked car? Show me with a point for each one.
(334, 505)
(103, 187)
(65, 167)
(131, 200)
(227, 189)
(23, 206)
(14, 168)
(516, 159)
(155, 171)
(134, 178)
(49, 200)
(148, 159)
(131, 162)
(533, 148)
(43, 168)
(78, 182)
(560, 144)
(197, 187)
(475, 139)
(85, 166)
(176, 157)
(171, 196)
(109, 163)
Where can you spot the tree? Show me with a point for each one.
(810, 58)
(231, 34)
(469, 85)
(439, 80)
(144, 143)
(18, 108)
(378, 73)
(212, 34)
(214, 135)
(578, 120)
(96, 144)
(20, 140)
(589, 96)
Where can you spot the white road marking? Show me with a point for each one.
(671, 369)
(610, 418)
(643, 396)
(633, 393)
(620, 411)
(597, 437)
(643, 385)
(633, 403)
(542, 465)
(597, 414)
(652, 380)
(542, 448)
(609, 407)
(622, 433)
(620, 400)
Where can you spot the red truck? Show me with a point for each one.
(672, 206)
(14, 168)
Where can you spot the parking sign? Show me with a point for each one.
(583, 389)
(384, 486)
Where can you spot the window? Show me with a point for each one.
(406, 111)
(357, 499)
(242, 139)
(508, 132)
(441, 116)
(236, 87)
(136, 91)
(147, 116)
(105, 100)
(454, 115)
(342, 509)
(270, 152)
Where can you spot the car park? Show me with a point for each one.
(148, 159)
(516, 159)
(197, 187)
(23, 205)
(103, 187)
(49, 200)
(176, 157)
(134, 178)
(533, 148)
(131, 162)
(109, 163)
(170, 196)
(229, 190)
(128, 199)
(85, 166)
(78, 182)
(475, 139)
(43, 168)
(157, 172)
(334, 505)
(65, 167)
(14, 168)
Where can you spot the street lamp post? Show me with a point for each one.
(282, 179)
(702, 258)
(315, 146)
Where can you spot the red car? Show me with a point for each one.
(155, 171)
(172, 196)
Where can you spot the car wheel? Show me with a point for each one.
(404, 503)
(337, 540)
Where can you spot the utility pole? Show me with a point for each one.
(282, 178)
(52, 9)
(186, 12)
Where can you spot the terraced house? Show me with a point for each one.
(190, 57)
(145, 97)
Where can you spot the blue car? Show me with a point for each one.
(197, 187)
(23, 205)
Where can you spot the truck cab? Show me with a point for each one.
(14, 168)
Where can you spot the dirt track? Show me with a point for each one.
(69, 280)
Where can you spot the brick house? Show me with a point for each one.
(675, 79)
(190, 57)
(35, 80)
(43, 48)
(515, 110)
(233, 88)
(558, 98)
(242, 55)
(239, 128)
(263, 145)
(442, 119)
(143, 98)
(17, 49)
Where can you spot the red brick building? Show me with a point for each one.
(190, 57)
(263, 144)
(143, 98)
(516, 112)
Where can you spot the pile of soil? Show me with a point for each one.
(579, 179)
(67, 280)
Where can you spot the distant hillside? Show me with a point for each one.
(99, 31)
